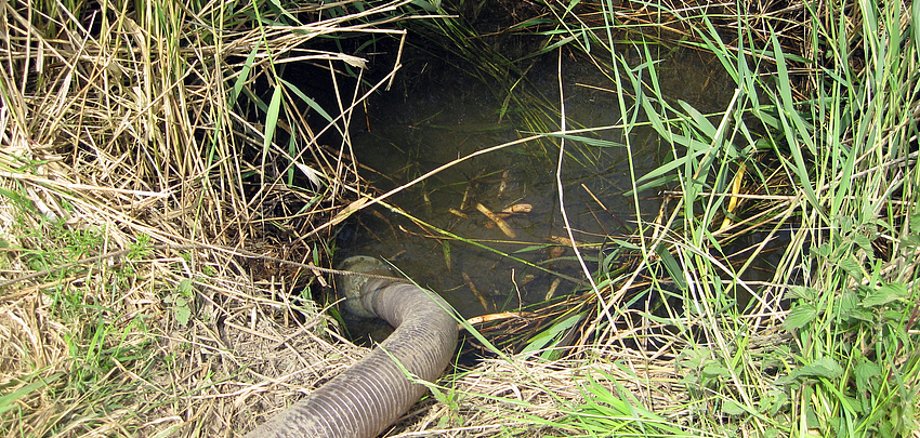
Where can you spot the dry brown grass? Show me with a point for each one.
(133, 184)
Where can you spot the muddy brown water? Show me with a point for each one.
(421, 126)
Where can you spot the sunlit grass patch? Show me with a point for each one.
(828, 155)
(808, 174)
(69, 335)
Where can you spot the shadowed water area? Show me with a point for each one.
(423, 124)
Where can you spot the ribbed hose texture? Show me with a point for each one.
(375, 392)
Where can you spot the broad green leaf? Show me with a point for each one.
(773, 401)
(915, 220)
(886, 294)
(801, 133)
(244, 74)
(823, 367)
(543, 338)
(657, 182)
(428, 5)
(445, 251)
(271, 119)
(530, 248)
(799, 317)
(851, 266)
(186, 288)
(284, 11)
(308, 100)
(183, 314)
(669, 167)
(673, 268)
(788, 103)
(863, 373)
(655, 119)
(848, 308)
(802, 292)
(7, 401)
(824, 250)
(863, 243)
(915, 24)
(700, 121)
(732, 407)
(714, 369)
(596, 142)
(625, 244)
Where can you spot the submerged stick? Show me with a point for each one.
(475, 290)
(499, 222)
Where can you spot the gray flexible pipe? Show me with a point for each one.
(375, 392)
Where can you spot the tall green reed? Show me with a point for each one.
(816, 150)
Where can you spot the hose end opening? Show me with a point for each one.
(352, 286)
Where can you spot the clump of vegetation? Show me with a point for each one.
(155, 165)
(811, 165)
(813, 159)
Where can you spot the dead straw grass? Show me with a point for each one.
(529, 396)
(131, 178)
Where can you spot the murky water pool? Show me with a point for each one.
(497, 239)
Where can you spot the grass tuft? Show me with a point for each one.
(157, 170)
